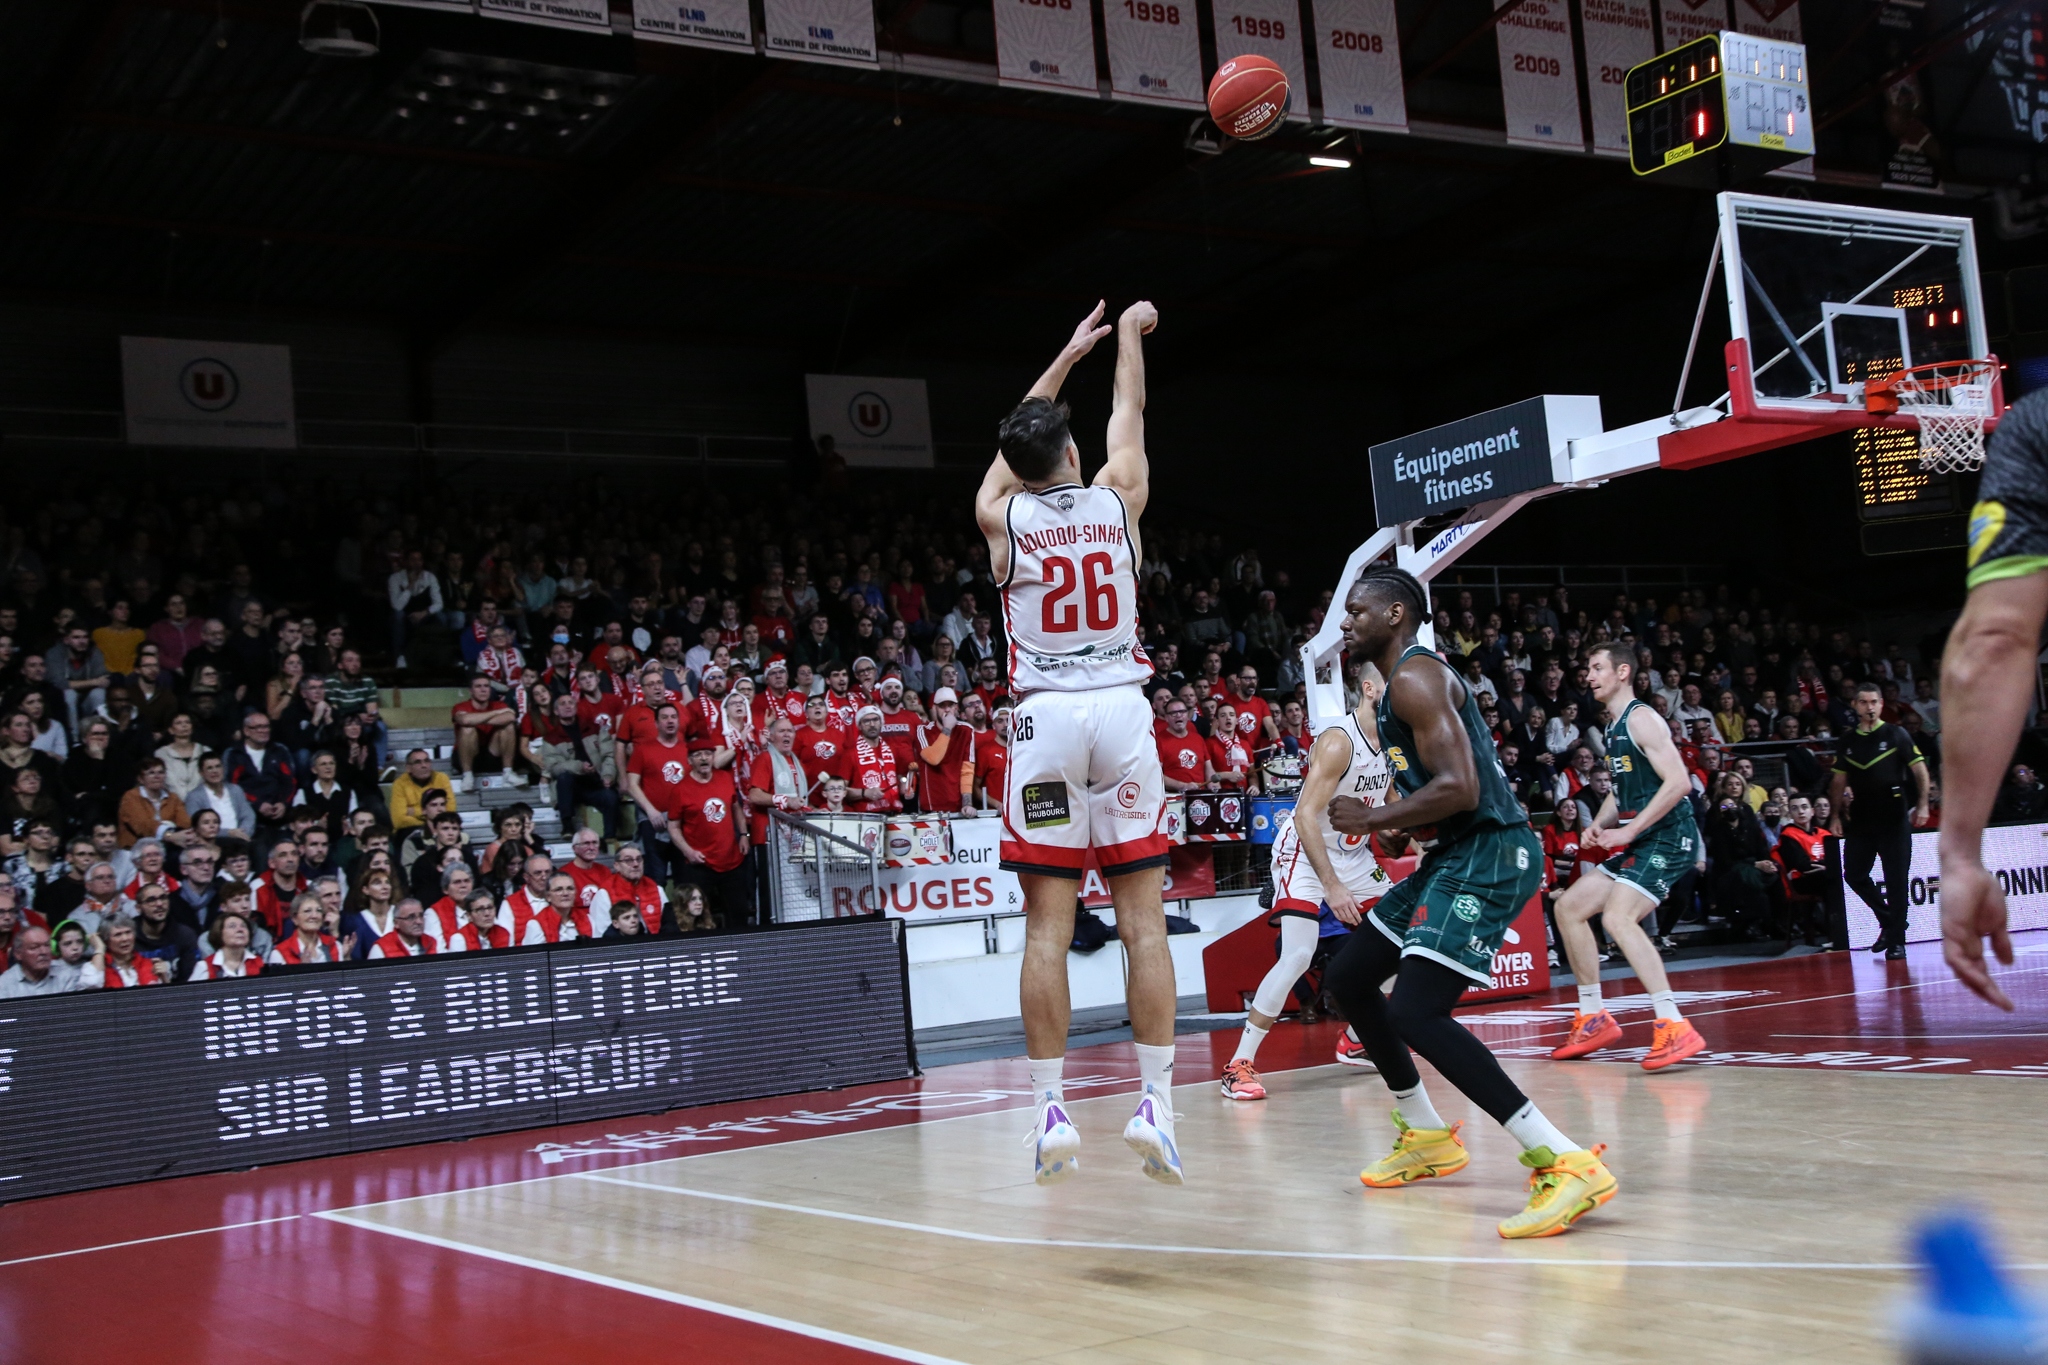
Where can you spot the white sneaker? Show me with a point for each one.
(520, 780)
(1055, 1142)
(1150, 1135)
(465, 782)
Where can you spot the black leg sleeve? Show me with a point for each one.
(1353, 979)
(1421, 1005)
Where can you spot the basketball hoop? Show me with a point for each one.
(1949, 401)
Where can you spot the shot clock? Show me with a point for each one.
(1723, 108)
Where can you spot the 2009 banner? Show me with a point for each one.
(1155, 51)
(1358, 49)
(1046, 43)
(106, 1087)
(1539, 74)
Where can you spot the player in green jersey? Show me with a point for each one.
(1437, 930)
(1647, 827)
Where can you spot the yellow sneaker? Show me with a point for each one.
(1418, 1154)
(1562, 1190)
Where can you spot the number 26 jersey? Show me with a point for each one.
(1070, 600)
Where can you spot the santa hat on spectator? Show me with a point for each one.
(865, 712)
(863, 659)
(891, 681)
(776, 666)
(711, 670)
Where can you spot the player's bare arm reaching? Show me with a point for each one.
(1127, 470)
(1328, 761)
(1653, 737)
(1000, 483)
(1428, 700)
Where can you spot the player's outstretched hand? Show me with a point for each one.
(1089, 332)
(1347, 815)
(1143, 314)
(1972, 909)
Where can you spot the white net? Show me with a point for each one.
(1949, 403)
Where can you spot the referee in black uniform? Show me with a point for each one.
(1875, 762)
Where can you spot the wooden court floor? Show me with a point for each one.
(1767, 1193)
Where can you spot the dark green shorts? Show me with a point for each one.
(1654, 863)
(1457, 906)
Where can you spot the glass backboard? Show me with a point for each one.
(1829, 297)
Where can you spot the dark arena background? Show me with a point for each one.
(375, 376)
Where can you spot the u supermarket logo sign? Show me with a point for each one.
(869, 413)
(209, 385)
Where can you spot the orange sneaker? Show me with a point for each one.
(1240, 1082)
(1590, 1033)
(1673, 1042)
(1351, 1052)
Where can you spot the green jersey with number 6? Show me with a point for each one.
(1635, 780)
(1497, 806)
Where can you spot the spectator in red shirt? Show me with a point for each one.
(865, 673)
(945, 753)
(654, 778)
(988, 681)
(736, 738)
(596, 887)
(636, 888)
(906, 595)
(776, 698)
(821, 746)
(839, 700)
(483, 723)
(705, 824)
(636, 724)
(992, 759)
(1254, 717)
(308, 940)
(408, 936)
(773, 622)
(1230, 758)
(482, 931)
(445, 915)
(277, 888)
(871, 766)
(561, 919)
(776, 780)
(899, 723)
(1183, 755)
(705, 715)
(1294, 737)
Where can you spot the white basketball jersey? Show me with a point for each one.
(1351, 855)
(1070, 602)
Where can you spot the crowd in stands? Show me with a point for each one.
(195, 767)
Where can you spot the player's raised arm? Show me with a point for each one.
(1127, 470)
(1001, 482)
(1653, 737)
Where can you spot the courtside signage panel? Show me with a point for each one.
(874, 422)
(208, 393)
(1046, 43)
(2017, 855)
(107, 1087)
(1478, 459)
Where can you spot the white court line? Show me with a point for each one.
(144, 1241)
(726, 1310)
(963, 1235)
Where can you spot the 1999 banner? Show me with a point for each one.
(107, 1087)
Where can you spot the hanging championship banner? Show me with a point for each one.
(1682, 21)
(1155, 51)
(1539, 74)
(1047, 43)
(697, 23)
(1777, 19)
(1266, 28)
(1358, 47)
(1619, 34)
(840, 32)
(591, 16)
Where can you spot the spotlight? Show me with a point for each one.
(1335, 163)
(338, 28)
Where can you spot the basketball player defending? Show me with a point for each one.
(1437, 930)
(1084, 770)
(1646, 823)
(1313, 866)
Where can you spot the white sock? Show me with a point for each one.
(1528, 1127)
(1416, 1110)
(1589, 997)
(1666, 1004)
(1047, 1081)
(1155, 1072)
(1248, 1044)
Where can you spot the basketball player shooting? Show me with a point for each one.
(1084, 770)
(1436, 931)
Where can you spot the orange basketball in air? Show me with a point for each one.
(1248, 97)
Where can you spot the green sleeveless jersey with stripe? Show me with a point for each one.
(1635, 781)
(1497, 806)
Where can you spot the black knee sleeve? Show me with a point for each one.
(1421, 1005)
(1353, 979)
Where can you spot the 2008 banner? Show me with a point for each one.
(102, 1088)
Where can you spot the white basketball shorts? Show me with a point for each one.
(1297, 890)
(1084, 773)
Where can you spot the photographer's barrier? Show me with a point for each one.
(107, 1087)
(2015, 854)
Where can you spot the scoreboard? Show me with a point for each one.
(1720, 108)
